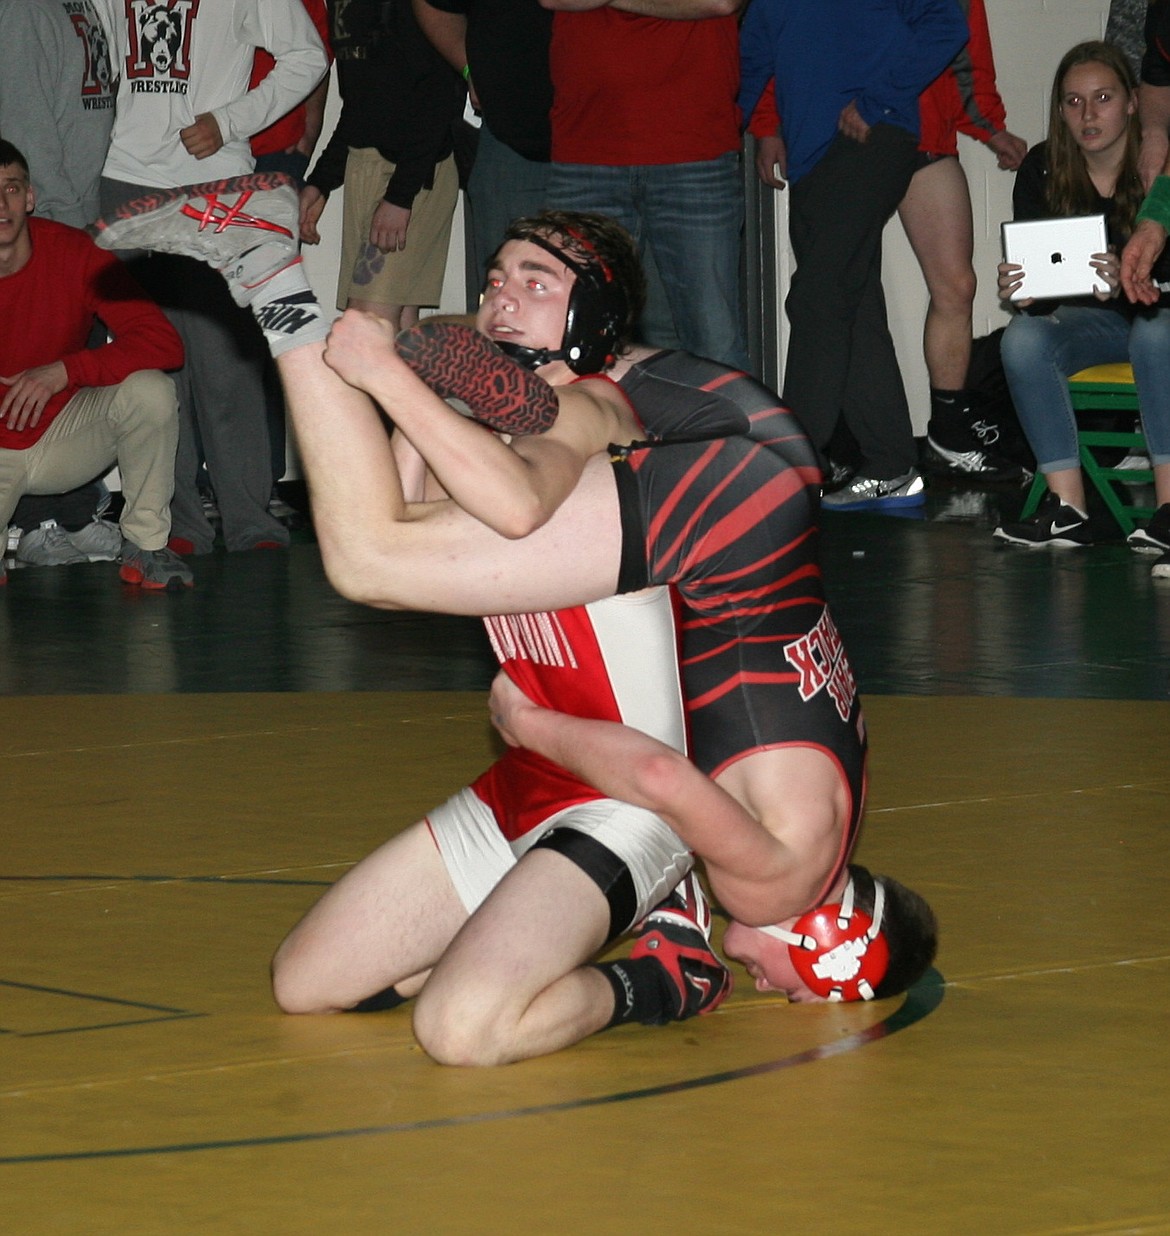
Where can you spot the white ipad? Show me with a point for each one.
(1055, 255)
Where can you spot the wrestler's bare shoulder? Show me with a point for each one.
(796, 792)
(593, 413)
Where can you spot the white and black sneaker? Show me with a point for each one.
(962, 440)
(1054, 523)
(975, 462)
(1161, 568)
(1154, 538)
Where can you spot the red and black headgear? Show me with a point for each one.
(599, 309)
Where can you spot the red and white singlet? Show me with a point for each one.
(615, 660)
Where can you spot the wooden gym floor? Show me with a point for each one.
(185, 774)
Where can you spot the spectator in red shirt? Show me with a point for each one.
(645, 130)
(68, 412)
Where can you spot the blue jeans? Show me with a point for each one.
(690, 217)
(503, 186)
(1041, 352)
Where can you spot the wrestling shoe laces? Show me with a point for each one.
(986, 432)
(50, 545)
(677, 934)
(246, 227)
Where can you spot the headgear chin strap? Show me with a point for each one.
(839, 951)
(593, 321)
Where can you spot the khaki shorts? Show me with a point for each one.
(410, 276)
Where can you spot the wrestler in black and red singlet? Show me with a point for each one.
(731, 522)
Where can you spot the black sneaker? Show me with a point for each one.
(1154, 538)
(1161, 568)
(961, 441)
(974, 462)
(677, 935)
(1054, 523)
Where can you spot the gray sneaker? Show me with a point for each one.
(100, 540)
(246, 227)
(156, 569)
(863, 493)
(50, 545)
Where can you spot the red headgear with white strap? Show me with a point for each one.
(839, 951)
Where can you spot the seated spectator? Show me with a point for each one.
(57, 99)
(67, 412)
(1088, 165)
